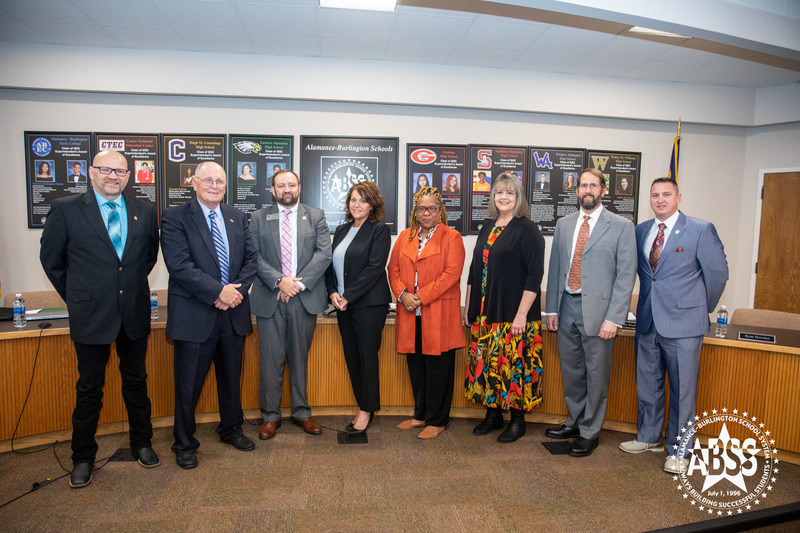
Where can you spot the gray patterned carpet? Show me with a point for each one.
(396, 482)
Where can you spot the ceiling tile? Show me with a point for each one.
(629, 48)
(148, 38)
(662, 70)
(351, 23)
(75, 34)
(502, 34)
(47, 11)
(221, 41)
(570, 40)
(279, 19)
(14, 30)
(545, 61)
(353, 48)
(196, 15)
(419, 52)
(130, 13)
(483, 57)
(430, 29)
(604, 66)
(286, 45)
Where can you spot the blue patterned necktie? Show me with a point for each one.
(115, 228)
(219, 244)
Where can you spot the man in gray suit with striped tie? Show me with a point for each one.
(294, 251)
(589, 285)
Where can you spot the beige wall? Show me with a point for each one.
(720, 160)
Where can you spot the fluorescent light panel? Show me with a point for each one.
(370, 5)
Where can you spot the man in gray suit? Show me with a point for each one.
(682, 273)
(589, 285)
(294, 251)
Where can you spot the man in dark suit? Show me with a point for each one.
(682, 273)
(589, 286)
(294, 251)
(97, 249)
(211, 262)
(543, 184)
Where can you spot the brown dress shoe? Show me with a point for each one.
(430, 432)
(309, 425)
(268, 429)
(411, 423)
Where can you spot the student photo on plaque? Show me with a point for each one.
(569, 181)
(44, 173)
(75, 171)
(246, 176)
(624, 186)
(452, 185)
(144, 172)
(187, 175)
(542, 181)
(422, 180)
(276, 168)
(481, 182)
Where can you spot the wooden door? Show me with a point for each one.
(778, 269)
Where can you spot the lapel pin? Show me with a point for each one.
(231, 220)
(304, 217)
(135, 217)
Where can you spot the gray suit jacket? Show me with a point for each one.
(608, 269)
(314, 255)
(688, 281)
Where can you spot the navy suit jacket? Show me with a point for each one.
(364, 265)
(194, 275)
(687, 283)
(101, 290)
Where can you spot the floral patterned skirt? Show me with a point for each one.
(503, 370)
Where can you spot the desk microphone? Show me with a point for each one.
(44, 325)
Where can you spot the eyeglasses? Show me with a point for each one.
(590, 186)
(422, 210)
(208, 182)
(105, 171)
(507, 193)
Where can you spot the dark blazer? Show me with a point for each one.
(688, 282)
(194, 276)
(516, 264)
(102, 292)
(364, 265)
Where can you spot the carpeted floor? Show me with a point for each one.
(396, 482)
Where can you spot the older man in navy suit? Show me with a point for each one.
(97, 249)
(212, 262)
(682, 273)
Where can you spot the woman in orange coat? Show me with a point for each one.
(425, 274)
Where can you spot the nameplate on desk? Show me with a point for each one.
(756, 337)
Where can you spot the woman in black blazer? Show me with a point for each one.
(358, 289)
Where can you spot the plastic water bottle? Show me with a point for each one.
(722, 322)
(20, 320)
(153, 305)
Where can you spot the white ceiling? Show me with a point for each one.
(510, 35)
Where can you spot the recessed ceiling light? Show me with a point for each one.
(659, 33)
(370, 5)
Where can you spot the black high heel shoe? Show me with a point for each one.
(353, 431)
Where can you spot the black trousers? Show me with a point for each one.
(192, 362)
(92, 361)
(361, 330)
(431, 382)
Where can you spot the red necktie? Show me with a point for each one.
(574, 281)
(655, 251)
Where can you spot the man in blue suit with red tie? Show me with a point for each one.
(682, 274)
(211, 262)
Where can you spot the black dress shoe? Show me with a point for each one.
(147, 457)
(81, 475)
(562, 432)
(241, 443)
(583, 447)
(186, 459)
(515, 429)
(493, 420)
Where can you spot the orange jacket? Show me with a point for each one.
(439, 267)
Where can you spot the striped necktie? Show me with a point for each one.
(574, 280)
(286, 244)
(219, 244)
(115, 228)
